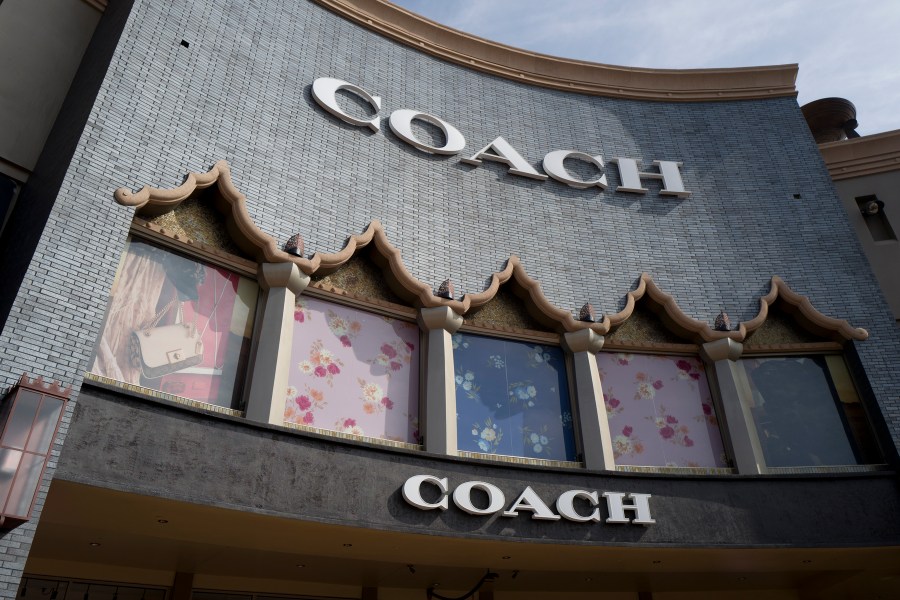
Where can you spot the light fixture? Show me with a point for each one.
(29, 419)
(348, 545)
(588, 579)
(657, 562)
(871, 208)
(300, 566)
(162, 521)
(95, 544)
(807, 561)
(506, 557)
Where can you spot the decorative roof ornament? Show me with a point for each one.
(587, 313)
(294, 245)
(445, 290)
(723, 323)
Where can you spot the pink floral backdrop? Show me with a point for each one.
(660, 411)
(353, 372)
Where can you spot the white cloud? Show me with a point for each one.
(844, 49)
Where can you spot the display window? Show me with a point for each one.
(660, 411)
(512, 398)
(807, 412)
(177, 325)
(353, 372)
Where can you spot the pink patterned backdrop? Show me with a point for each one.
(660, 411)
(353, 372)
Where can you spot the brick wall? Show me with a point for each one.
(240, 92)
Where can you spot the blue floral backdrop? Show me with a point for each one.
(512, 398)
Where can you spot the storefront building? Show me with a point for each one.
(345, 304)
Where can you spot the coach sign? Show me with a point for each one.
(529, 501)
(325, 89)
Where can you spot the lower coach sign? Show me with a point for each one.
(530, 501)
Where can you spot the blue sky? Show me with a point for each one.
(845, 49)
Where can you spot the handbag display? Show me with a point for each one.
(166, 349)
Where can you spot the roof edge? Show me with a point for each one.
(671, 85)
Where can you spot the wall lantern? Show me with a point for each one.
(29, 417)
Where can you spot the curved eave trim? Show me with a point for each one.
(671, 314)
(232, 204)
(672, 85)
(542, 308)
(837, 329)
(150, 202)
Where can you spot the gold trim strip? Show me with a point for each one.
(137, 389)
(353, 437)
(677, 470)
(521, 460)
(478, 54)
(820, 470)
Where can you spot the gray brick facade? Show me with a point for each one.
(763, 203)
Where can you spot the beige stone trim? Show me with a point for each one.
(673, 85)
(540, 307)
(668, 311)
(398, 276)
(860, 156)
(151, 202)
(802, 309)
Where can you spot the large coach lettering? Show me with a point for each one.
(530, 501)
(325, 89)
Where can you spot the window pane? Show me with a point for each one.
(19, 425)
(795, 407)
(354, 372)
(660, 411)
(9, 463)
(25, 486)
(512, 398)
(177, 325)
(45, 425)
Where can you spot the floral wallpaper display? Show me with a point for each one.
(660, 411)
(512, 398)
(353, 372)
(177, 325)
(799, 417)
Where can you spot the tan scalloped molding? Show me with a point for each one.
(867, 155)
(837, 329)
(669, 312)
(398, 276)
(672, 85)
(262, 247)
(541, 308)
(229, 201)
